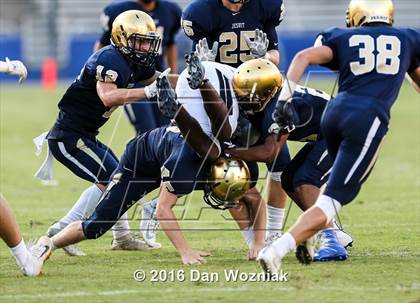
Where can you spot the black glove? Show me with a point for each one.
(283, 115)
(166, 98)
(196, 71)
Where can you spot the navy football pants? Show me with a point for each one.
(87, 158)
(353, 130)
(310, 165)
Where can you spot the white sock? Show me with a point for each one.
(275, 218)
(281, 247)
(83, 208)
(21, 254)
(248, 234)
(121, 228)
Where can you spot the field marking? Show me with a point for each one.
(414, 286)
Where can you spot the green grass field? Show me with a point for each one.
(384, 221)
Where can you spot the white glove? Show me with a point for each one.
(151, 90)
(16, 67)
(259, 46)
(204, 53)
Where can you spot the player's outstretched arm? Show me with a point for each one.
(111, 95)
(217, 111)
(189, 127)
(306, 57)
(214, 105)
(14, 67)
(265, 152)
(258, 208)
(170, 226)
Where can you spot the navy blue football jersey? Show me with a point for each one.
(166, 15)
(210, 19)
(373, 60)
(304, 98)
(81, 109)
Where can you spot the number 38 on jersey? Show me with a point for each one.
(381, 54)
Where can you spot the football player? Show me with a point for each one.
(31, 258)
(14, 67)
(242, 29)
(145, 115)
(305, 174)
(369, 55)
(104, 83)
(178, 160)
(237, 31)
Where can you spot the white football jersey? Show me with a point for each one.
(220, 76)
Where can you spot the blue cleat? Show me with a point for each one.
(330, 248)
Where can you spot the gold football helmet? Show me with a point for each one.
(134, 34)
(255, 82)
(229, 181)
(369, 11)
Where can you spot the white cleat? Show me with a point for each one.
(72, 250)
(130, 243)
(149, 225)
(40, 252)
(272, 236)
(343, 237)
(269, 263)
(306, 251)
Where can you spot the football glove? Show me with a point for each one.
(166, 97)
(151, 90)
(259, 45)
(196, 71)
(283, 115)
(204, 53)
(16, 67)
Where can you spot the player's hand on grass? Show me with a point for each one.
(259, 45)
(254, 249)
(192, 257)
(203, 51)
(16, 67)
(151, 90)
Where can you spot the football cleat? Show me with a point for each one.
(343, 237)
(130, 243)
(272, 236)
(330, 249)
(149, 225)
(305, 251)
(269, 263)
(40, 252)
(73, 250)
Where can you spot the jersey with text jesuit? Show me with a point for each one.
(210, 19)
(373, 60)
(220, 76)
(81, 109)
(166, 15)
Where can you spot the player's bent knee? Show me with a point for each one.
(329, 206)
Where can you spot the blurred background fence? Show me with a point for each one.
(33, 30)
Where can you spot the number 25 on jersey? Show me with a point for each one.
(382, 54)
